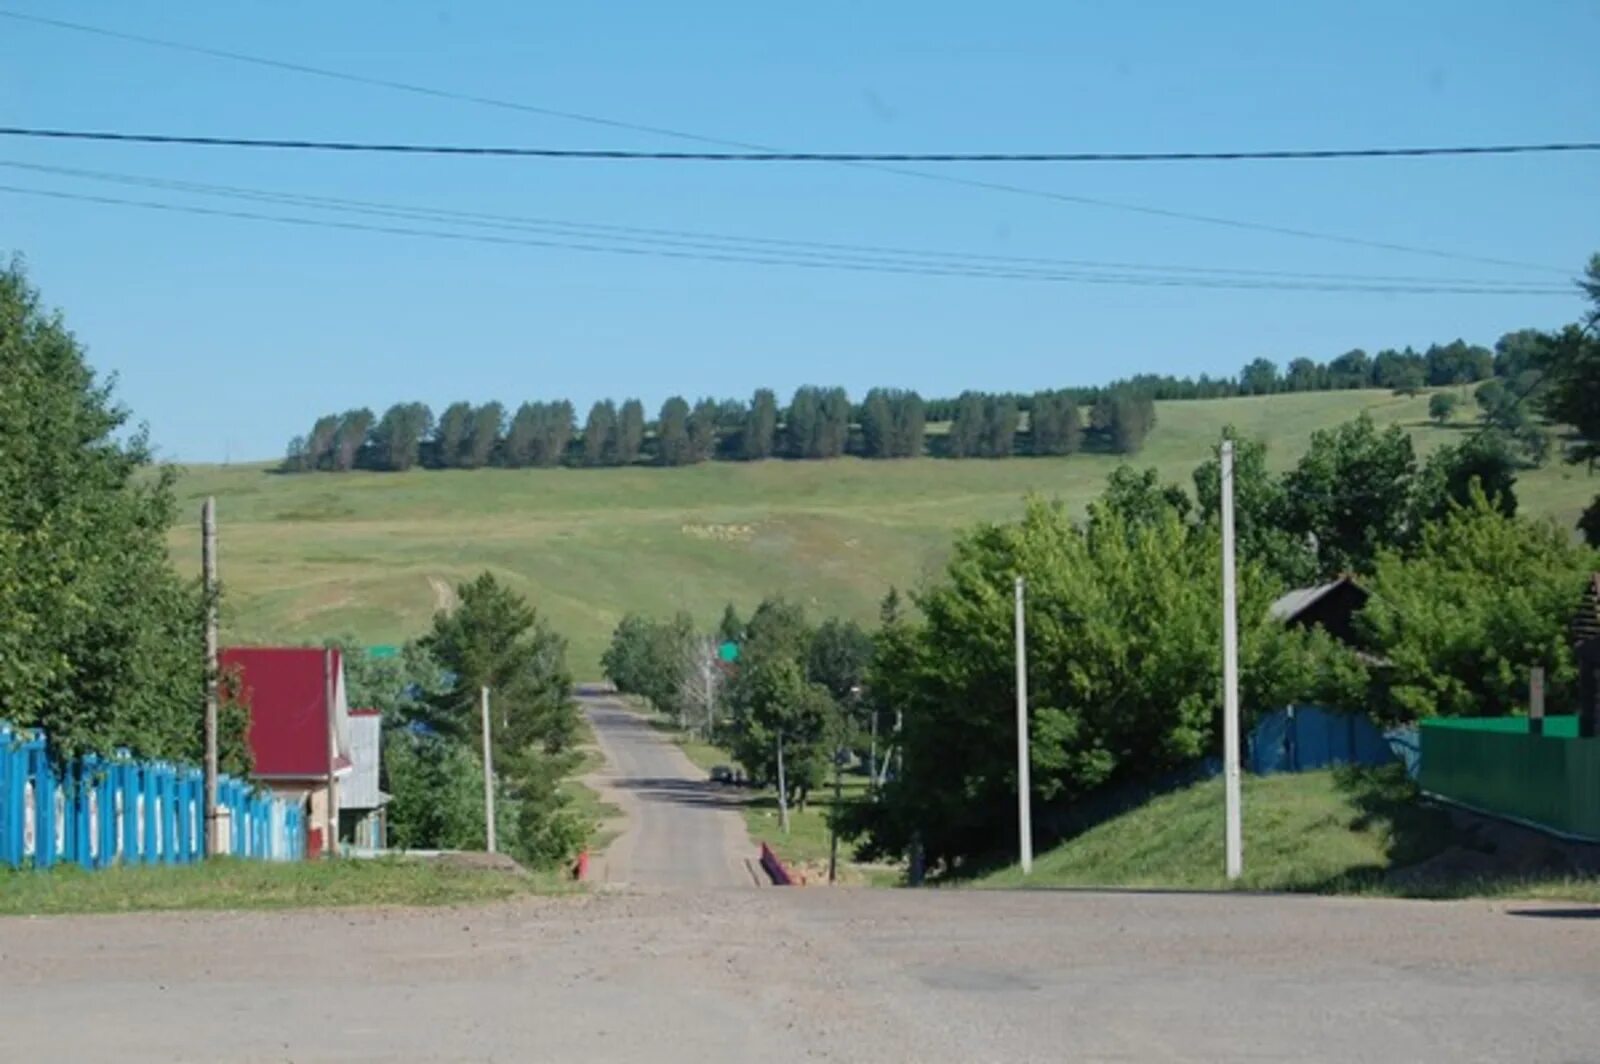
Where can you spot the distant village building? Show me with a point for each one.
(306, 743)
(1331, 606)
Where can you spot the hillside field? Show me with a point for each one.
(373, 555)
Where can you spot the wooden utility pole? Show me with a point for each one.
(488, 775)
(208, 560)
(330, 818)
(1233, 833)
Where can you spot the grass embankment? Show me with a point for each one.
(375, 554)
(1328, 832)
(229, 884)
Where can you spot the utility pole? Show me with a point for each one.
(330, 819)
(488, 775)
(1024, 803)
(833, 820)
(1234, 832)
(208, 551)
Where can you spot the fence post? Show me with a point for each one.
(44, 800)
(10, 800)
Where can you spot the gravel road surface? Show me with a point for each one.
(813, 974)
(664, 965)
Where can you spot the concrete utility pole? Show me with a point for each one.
(208, 551)
(330, 820)
(1024, 801)
(1230, 676)
(488, 776)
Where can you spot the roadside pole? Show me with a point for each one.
(488, 776)
(833, 819)
(208, 550)
(330, 819)
(783, 790)
(1230, 677)
(1024, 804)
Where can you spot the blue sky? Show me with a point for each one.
(229, 335)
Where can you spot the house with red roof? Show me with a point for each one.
(303, 741)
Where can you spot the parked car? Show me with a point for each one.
(723, 774)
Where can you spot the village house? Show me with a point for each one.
(306, 742)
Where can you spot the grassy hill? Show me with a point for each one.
(374, 554)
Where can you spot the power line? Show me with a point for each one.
(636, 155)
(677, 134)
(696, 239)
(812, 262)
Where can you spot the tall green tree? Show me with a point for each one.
(702, 430)
(1000, 420)
(672, 433)
(1442, 406)
(100, 640)
(1260, 378)
(483, 435)
(1462, 618)
(800, 425)
(397, 440)
(558, 424)
(833, 424)
(450, 435)
(877, 425)
(1053, 424)
(1260, 511)
(600, 434)
(1571, 396)
(910, 425)
(1351, 492)
(321, 445)
(965, 439)
(494, 638)
(1124, 672)
(630, 432)
(1483, 462)
(761, 426)
(350, 437)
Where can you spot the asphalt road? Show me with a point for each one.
(680, 830)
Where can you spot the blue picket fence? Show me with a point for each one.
(97, 812)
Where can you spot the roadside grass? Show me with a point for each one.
(231, 884)
(1336, 832)
(598, 816)
(375, 554)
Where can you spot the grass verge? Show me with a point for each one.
(598, 816)
(230, 884)
(1338, 832)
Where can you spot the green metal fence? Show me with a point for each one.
(1496, 766)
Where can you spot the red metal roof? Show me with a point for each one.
(287, 694)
